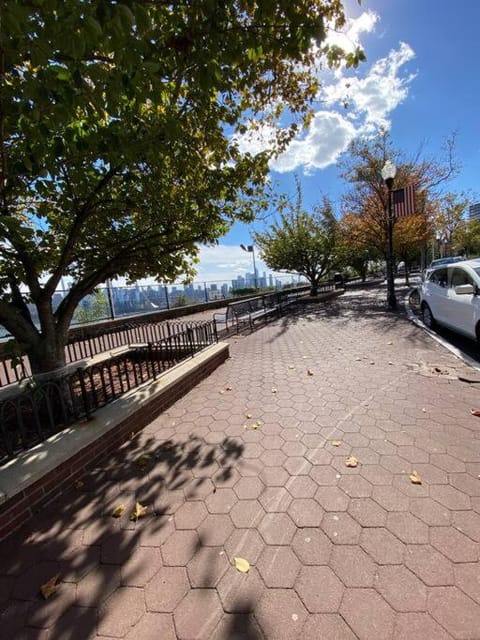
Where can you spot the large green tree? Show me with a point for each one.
(117, 138)
(301, 242)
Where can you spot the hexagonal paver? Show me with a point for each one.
(401, 588)
(207, 567)
(431, 512)
(454, 544)
(275, 499)
(407, 528)
(332, 499)
(341, 528)
(247, 513)
(429, 565)
(166, 589)
(153, 625)
(215, 529)
(180, 547)
(190, 515)
(467, 577)
(198, 614)
(297, 466)
(88, 594)
(278, 566)
(326, 625)
(281, 614)
(141, 567)
(305, 512)
(319, 589)
(353, 566)
(455, 611)
(249, 488)
(120, 612)
(355, 486)
(418, 625)
(302, 487)
(368, 615)
(367, 512)
(468, 522)
(273, 458)
(325, 475)
(450, 497)
(382, 546)
(243, 543)
(277, 528)
(274, 476)
(390, 498)
(221, 501)
(240, 592)
(312, 546)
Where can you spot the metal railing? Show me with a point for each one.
(45, 408)
(92, 341)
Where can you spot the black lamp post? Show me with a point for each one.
(251, 249)
(388, 174)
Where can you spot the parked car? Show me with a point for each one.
(441, 261)
(450, 296)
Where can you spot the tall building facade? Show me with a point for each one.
(474, 211)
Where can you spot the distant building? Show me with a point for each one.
(474, 211)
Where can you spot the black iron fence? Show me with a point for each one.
(94, 341)
(44, 408)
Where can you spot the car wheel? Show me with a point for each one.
(428, 319)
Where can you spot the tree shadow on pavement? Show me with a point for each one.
(352, 307)
(101, 560)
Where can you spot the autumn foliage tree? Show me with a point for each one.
(118, 152)
(365, 206)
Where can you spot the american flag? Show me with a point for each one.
(403, 201)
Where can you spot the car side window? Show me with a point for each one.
(439, 277)
(459, 277)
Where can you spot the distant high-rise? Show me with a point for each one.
(474, 211)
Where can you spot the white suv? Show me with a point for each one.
(450, 296)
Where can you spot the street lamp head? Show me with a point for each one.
(242, 246)
(389, 171)
(248, 248)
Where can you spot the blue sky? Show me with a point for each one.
(421, 79)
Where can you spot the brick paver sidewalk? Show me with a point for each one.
(336, 552)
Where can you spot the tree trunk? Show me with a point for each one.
(47, 356)
(313, 289)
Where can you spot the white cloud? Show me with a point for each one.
(371, 93)
(329, 134)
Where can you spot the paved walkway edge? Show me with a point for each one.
(38, 476)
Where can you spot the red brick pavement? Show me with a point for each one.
(336, 552)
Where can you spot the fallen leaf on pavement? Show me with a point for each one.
(351, 461)
(228, 388)
(79, 485)
(256, 425)
(336, 443)
(390, 342)
(415, 478)
(248, 415)
(118, 511)
(274, 390)
(475, 412)
(50, 587)
(291, 366)
(310, 372)
(242, 565)
(138, 512)
(221, 391)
